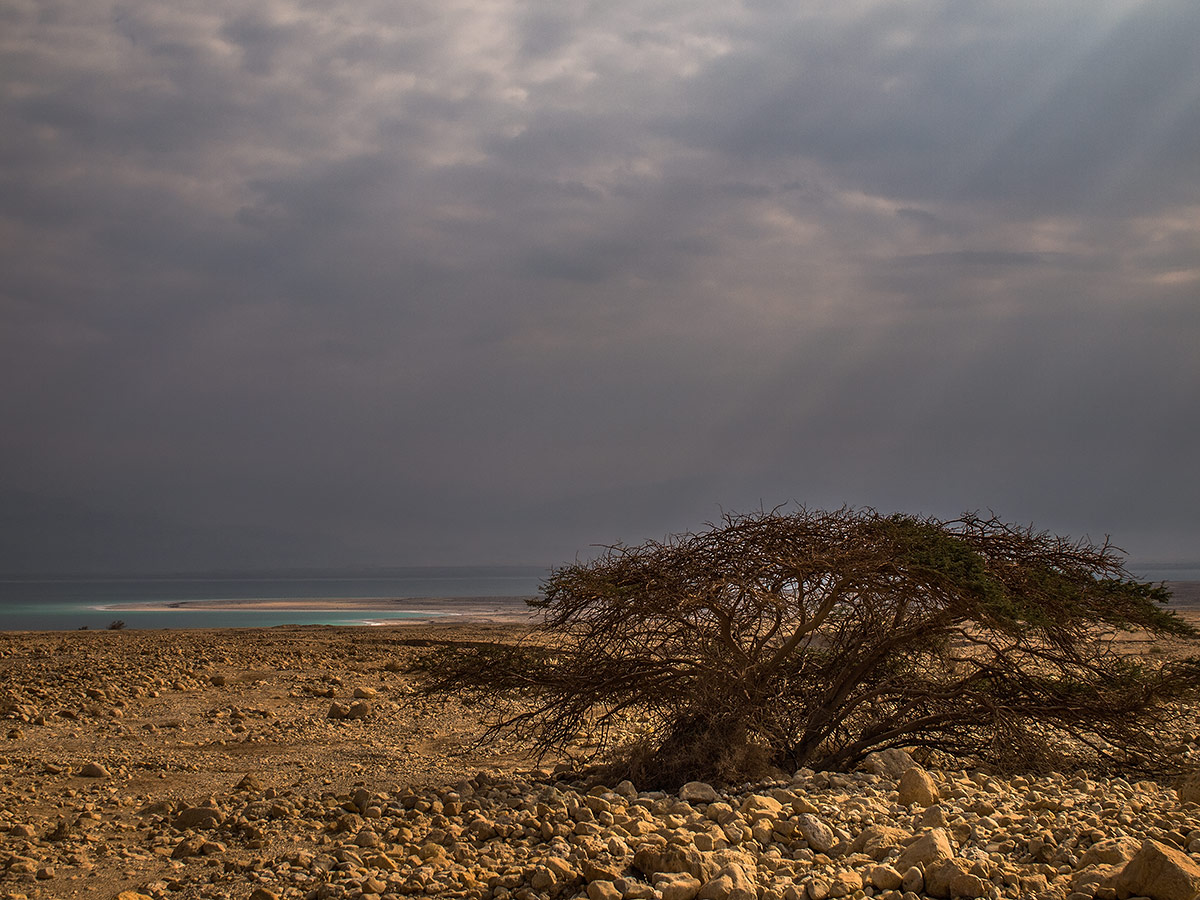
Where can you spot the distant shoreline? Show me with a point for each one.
(475, 609)
(267, 605)
(1184, 594)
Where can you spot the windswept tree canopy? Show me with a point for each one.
(812, 638)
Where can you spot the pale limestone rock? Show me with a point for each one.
(1159, 872)
(199, 817)
(190, 846)
(885, 878)
(913, 880)
(940, 874)
(877, 840)
(1090, 878)
(563, 870)
(934, 817)
(917, 787)
(932, 846)
(651, 859)
(802, 805)
(844, 884)
(601, 870)
(603, 890)
(542, 879)
(816, 833)
(367, 838)
(731, 883)
(678, 886)
(1110, 852)
(1188, 787)
(698, 792)
(968, 886)
(891, 763)
(757, 806)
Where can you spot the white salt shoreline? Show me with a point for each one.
(491, 609)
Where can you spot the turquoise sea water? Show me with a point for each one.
(1173, 572)
(65, 604)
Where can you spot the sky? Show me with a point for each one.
(330, 283)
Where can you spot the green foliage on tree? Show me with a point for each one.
(812, 638)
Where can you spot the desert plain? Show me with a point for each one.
(302, 762)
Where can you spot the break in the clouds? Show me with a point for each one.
(296, 283)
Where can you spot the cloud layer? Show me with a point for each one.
(345, 283)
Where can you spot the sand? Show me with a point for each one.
(488, 610)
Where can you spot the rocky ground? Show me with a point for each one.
(299, 763)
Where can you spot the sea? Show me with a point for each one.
(32, 603)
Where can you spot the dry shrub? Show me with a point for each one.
(813, 638)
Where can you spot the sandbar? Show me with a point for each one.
(473, 609)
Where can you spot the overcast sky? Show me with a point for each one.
(325, 282)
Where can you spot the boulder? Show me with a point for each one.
(337, 711)
(1110, 852)
(601, 870)
(189, 846)
(917, 787)
(941, 874)
(651, 860)
(969, 886)
(250, 783)
(816, 833)
(803, 805)
(877, 840)
(844, 884)
(198, 817)
(1188, 787)
(891, 763)
(932, 846)
(730, 883)
(885, 878)
(758, 806)
(698, 792)
(678, 886)
(913, 880)
(934, 817)
(603, 890)
(1159, 872)
(817, 887)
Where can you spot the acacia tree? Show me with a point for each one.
(813, 638)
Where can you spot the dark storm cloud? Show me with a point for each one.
(456, 282)
(1041, 108)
